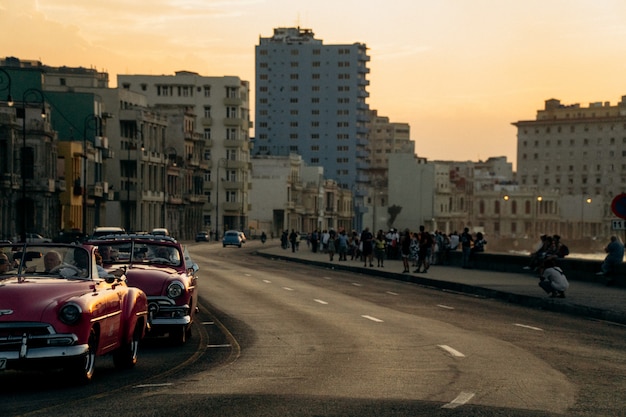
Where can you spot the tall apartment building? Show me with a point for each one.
(311, 100)
(579, 153)
(222, 107)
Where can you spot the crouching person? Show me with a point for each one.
(553, 280)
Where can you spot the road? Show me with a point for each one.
(281, 339)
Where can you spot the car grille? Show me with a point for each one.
(37, 335)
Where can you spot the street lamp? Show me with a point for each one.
(27, 158)
(5, 78)
(98, 129)
(582, 216)
(537, 212)
(217, 200)
(170, 154)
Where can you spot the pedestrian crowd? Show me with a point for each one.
(418, 250)
(421, 249)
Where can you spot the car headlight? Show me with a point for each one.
(175, 290)
(70, 314)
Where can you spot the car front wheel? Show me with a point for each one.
(83, 368)
(126, 356)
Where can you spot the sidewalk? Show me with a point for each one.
(586, 299)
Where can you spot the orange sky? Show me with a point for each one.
(458, 71)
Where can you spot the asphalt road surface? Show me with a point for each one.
(281, 339)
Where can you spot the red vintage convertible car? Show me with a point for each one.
(57, 311)
(159, 266)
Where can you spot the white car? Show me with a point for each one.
(35, 238)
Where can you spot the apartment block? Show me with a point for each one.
(310, 100)
(222, 121)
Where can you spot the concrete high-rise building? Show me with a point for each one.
(222, 107)
(311, 100)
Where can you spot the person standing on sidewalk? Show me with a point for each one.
(553, 280)
(614, 257)
(425, 250)
(466, 247)
(405, 249)
(342, 245)
(293, 239)
(367, 240)
(380, 245)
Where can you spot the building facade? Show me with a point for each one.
(578, 153)
(221, 106)
(310, 99)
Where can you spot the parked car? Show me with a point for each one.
(160, 266)
(107, 230)
(58, 312)
(37, 238)
(203, 236)
(232, 238)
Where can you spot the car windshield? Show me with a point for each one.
(139, 251)
(46, 260)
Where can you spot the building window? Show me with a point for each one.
(207, 112)
(207, 133)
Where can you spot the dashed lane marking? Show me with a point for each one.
(167, 384)
(391, 293)
(267, 281)
(226, 345)
(372, 319)
(445, 306)
(529, 327)
(461, 399)
(320, 301)
(356, 284)
(287, 289)
(452, 351)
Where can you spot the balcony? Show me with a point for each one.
(206, 121)
(236, 122)
(233, 185)
(234, 143)
(197, 198)
(232, 206)
(233, 101)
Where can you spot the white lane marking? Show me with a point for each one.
(529, 327)
(153, 385)
(320, 301)
(218, 346)
(462, 398)
(445, 306)
(356, 284)
(287, 289)
(328, 278)
(451, 351)
(372, 319)
(208, 323)
(267, 281)
(391, 293)
(247, 275)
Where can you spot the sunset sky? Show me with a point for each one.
(458, 71)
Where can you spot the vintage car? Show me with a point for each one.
(58, 312)
(161, 267)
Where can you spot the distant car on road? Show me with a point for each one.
(36, 238)
(107, 230)
(202, 237)
(232, 238)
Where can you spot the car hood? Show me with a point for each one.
(27, 300)
(153, 281)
